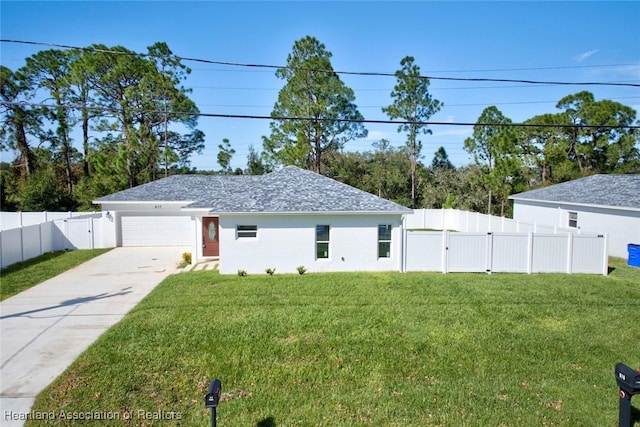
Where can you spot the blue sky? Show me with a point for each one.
(581, 41)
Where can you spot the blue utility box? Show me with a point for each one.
(634, 255)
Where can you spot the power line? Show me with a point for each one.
(353, 73)
(486, 70)
(434, 89)
(447, 105)
(483, 70)
(565, 67)
(285, 118)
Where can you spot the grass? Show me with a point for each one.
(618, 268)
(385, 349)
(23, 275)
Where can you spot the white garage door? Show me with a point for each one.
(156, 231)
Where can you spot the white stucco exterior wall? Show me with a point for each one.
(285, 242)
(621, 226)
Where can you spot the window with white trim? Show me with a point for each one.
(384, 241)
(322, 241)
(573, 219)
(246, 231)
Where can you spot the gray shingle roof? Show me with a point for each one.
(290, 189)
(618, 191)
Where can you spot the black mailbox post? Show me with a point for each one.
(212, 398)
(628, 380)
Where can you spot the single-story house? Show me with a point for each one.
(282, 220)
(600, 204)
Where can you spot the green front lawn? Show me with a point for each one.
(23, 275)
(384, 349)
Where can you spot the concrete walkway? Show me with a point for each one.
(44, 329)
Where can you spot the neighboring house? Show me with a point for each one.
(282, 220)
(602, 204)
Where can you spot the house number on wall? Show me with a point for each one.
(157, 207)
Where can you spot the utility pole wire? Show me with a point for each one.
(353, 73)
(448, 105)
(389, 122)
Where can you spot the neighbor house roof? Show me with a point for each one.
(290, 189)
(612, 191)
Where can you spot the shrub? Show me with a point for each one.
(242, 273)
(186, 257)
(301, 270)
(270, 271)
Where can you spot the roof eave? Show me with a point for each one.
(191, 209)
(587, 205)
(143, 202)
(214, 212)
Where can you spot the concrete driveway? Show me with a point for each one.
(44, 329)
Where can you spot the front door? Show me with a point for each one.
(210, 241)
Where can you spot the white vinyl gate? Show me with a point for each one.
(505, 252)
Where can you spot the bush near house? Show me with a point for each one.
(366, 349)
(186, 258)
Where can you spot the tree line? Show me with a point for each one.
(138, 124)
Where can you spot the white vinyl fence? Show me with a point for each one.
(453, 219)
(482, 244)
(82, 231)
(492, 252)
(10, 220)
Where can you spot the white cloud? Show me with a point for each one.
(581, 57)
